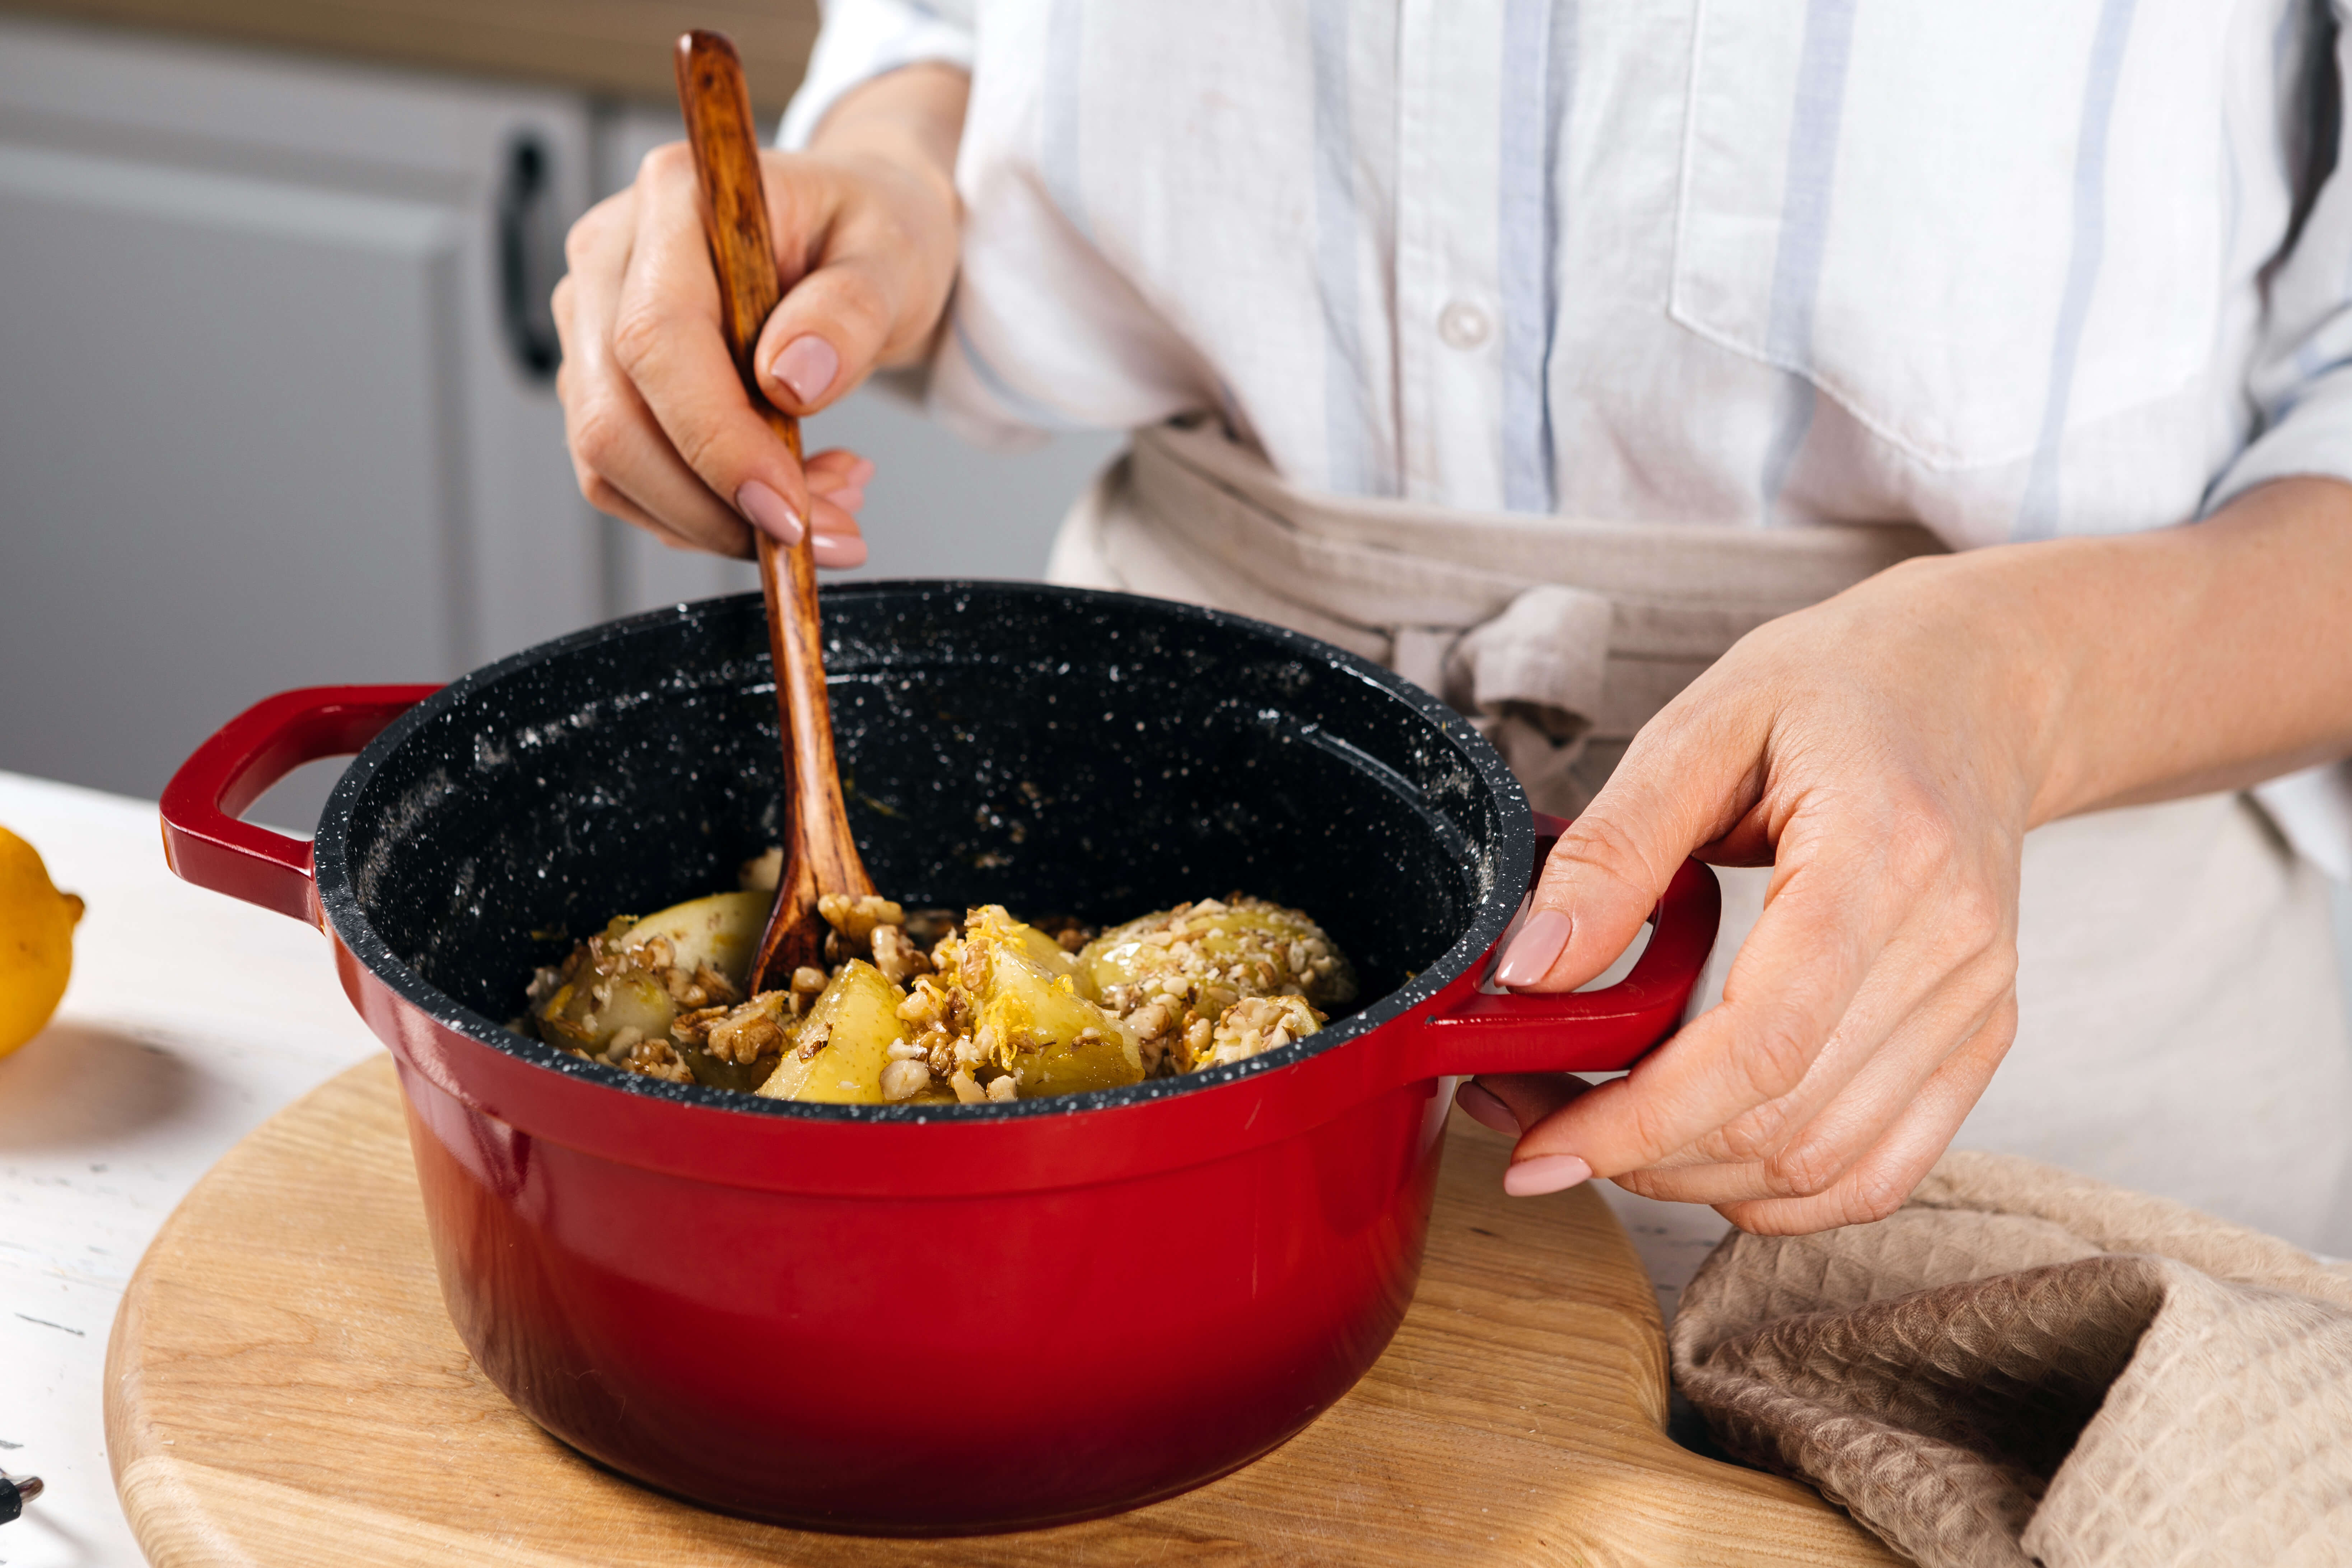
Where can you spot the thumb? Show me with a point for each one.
(870, 288)
(1683, 782)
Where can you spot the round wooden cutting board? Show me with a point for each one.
(284, 1388)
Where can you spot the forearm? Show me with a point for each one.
(2201, 658)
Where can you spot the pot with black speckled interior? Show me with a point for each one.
(923, 1318)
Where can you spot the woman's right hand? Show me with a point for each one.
(661, 433)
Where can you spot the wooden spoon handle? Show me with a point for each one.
(820, 856)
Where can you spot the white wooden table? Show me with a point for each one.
(191, 1019)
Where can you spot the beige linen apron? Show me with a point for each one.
(2182, 1021)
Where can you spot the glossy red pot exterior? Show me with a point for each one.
(916, 1323)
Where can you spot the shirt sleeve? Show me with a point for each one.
(2300, 384)
(2300, 390)
(862, 39)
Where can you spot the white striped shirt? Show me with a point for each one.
(2013, 268)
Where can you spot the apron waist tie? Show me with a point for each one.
(1558, 637)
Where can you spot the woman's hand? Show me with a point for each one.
(661, 433)
(1885, 753)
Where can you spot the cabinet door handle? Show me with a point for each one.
(529, 261)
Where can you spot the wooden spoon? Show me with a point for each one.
(819, 856)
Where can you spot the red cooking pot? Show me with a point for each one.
(909, 1319)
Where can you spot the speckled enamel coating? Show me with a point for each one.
(921, 1319)
(1053, 750)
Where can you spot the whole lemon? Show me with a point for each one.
(37, 925)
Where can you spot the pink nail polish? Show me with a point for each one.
(839, 551)
(1545, 1173)
(1486, 1107)
(1535, 950)
(808, 365)
(766, 511)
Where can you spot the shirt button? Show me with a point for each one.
(1463, 325)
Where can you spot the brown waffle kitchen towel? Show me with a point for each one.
(2022, 1365)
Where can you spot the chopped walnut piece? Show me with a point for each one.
(926, 1004)
(657, 1059)
(899, 959)
(744, 1033)
(854, 918)
(749, 1031)
(1256, 1024)
(1000, 1089)
(904, 1079)
(967, 1087)
(1152, 1019)
(705, 987)
(693, 1028)
(943, 1051)
(715, 985)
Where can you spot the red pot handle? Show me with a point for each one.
(1583, 1031)
(202, 839)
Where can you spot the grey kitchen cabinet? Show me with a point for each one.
(274, 407)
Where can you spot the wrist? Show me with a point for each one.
(2044, 599)
(1986, 632)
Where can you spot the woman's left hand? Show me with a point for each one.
(1883, 752)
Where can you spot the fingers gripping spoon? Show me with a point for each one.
(819, 856)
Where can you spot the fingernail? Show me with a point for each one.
(1486, 1108)
(768, 512)
(838, 550)
(1535, 950)
(1545, 1173)
(808, 365)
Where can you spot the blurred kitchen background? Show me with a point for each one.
(277, 404)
